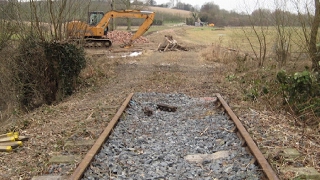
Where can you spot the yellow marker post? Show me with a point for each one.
(7, 139)
(16, 137)
(9, 134)
(5, 148)
(12, 144)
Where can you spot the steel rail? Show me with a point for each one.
(84, 164)
(79, 171)
(267, 169)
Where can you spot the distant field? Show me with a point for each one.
(177, 12)
(233, 37)
(228, 37)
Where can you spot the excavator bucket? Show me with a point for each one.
(127, 45)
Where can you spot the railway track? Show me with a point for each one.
(173, 136)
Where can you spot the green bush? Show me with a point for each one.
(301, 90)
(190, 21)
(47, 71)
(67, 60)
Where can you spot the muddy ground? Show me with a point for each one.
(108, 79)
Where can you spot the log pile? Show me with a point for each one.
(169, 44)
(123, 37)
(11, 140)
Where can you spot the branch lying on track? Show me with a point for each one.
(204, 131)
(165, 107)
(231, 130)
(147, 111)
(199, 158)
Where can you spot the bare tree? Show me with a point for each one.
(309, 19)
(151, 2)
(56, 16)
(282, 22)
(313, 52)
(48, 18)
(171, 2)
(195, 16)
(8, 26)
(113, 24)
(127, 4)
(259, 28)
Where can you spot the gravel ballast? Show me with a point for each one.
(194, 141)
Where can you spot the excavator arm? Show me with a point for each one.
(147, 15)
(145, 26)
(83, 30)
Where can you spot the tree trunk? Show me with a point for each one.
(113, 21)
(128, 6)
(313, 38)
(129, 24)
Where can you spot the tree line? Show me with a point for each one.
(212, 13)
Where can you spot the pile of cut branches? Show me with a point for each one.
(124, 37)
(170, 44)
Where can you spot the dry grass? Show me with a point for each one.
(218, 53)
(208, 35)
(271, 125)
(8, 96)
(209, 67)
(175, 12)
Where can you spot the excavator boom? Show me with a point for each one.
(95, 32)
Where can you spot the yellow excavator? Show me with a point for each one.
(94, 32)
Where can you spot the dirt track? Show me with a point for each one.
(107, 82)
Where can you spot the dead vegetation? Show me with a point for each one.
(8, 101)
(271, 125)
(170, 44)
(199, 72)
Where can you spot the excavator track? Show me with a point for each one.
(93, 43)
(97, 43)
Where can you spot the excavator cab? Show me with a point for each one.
(95, 17)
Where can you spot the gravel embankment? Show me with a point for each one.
(149, 143)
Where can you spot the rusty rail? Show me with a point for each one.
(78, 173)
(267, 169)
